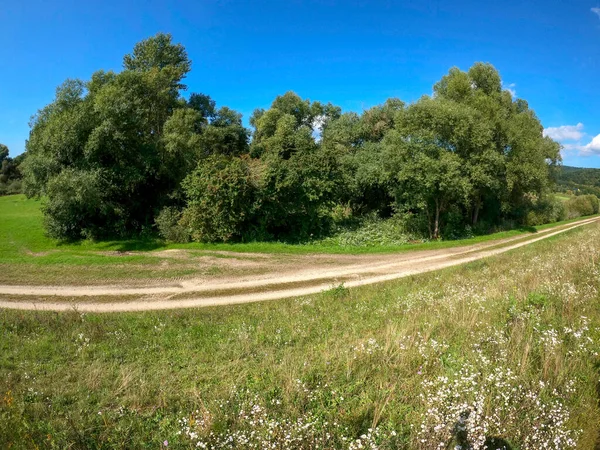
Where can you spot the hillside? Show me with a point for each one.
(586, 181)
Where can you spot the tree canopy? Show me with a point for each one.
(10, 172)
(110, 153)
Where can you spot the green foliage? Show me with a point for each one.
(219, 194)
(546, 210)
(10, 172)
(465, 155)
(160, 54)
(295, 195)
(3, 153)
(135, 130)
(427, 178)
(372, 231)
(582, 205)
(169, 226)
(76, 202)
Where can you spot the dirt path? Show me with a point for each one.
(307, 275)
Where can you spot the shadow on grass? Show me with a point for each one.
(121, 245)
(149, 243)
(528, 229)
(461, 440)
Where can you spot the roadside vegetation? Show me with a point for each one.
(29, 256)
(502, 351)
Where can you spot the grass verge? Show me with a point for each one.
(27, 256)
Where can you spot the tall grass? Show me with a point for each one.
(500, 353)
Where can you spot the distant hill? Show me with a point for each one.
(578, 180)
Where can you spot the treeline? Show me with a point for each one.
(578, 180)
(125, 152)
(10, 173)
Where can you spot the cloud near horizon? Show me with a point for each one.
(596, 11)
(573, 134)
(565, 132)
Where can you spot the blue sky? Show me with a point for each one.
(354, 54)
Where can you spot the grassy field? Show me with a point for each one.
(27, 256)
(564, 197)
(502, 351)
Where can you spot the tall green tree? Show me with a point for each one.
(112, 127)
(3, 152)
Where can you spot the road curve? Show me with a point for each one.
(202, 293)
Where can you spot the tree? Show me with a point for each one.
(158, 53)
(205, 105)
(111, 127)
(288, 116)
(3, 152)
(469, 155)
(426, 176)
(220, 195)
(513, 167)
(10, 172)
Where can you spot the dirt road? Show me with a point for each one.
(299, 276)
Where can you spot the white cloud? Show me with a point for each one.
(317, 126)
(589, 149)
(511, 88)
(596, 11)
(565, 132)
(593, 148)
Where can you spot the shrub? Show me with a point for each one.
(583, 205)
(15, 187)
(74, 208)
(169, 225)
(220, 197)
(373, 231)
(547, 210)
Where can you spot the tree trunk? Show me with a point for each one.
(476, 211)
(436, 226)
(429, 222)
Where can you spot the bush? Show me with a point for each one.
(74, 208)
(220, 197)
(169, 225)
(14, 187)
(372, 231)
(583, 205)
(547, 210)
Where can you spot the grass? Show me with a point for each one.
(503, 349)
(563, 197)
(28, 256)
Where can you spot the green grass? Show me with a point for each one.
(563, 197)
(324, 369)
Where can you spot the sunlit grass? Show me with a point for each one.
(510, 340)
